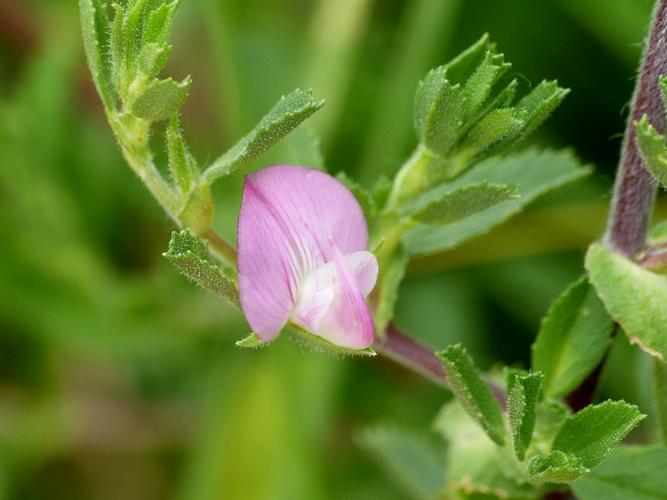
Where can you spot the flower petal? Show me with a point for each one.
(348, 321)
(290, 220)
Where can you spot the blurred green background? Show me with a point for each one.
(118, 379)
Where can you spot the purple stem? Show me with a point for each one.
(405, 351)
(635, 189)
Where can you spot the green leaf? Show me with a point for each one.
(534, 172)
(459, 203)
(634, 297)
(95, 29)
(523, 394)
(476, 467)
(653, 149)
(551, 415)
(285, 116)
(591, 434)
(557, 467)
(467, 385)
(393, 271)
(630, 473)
(117, 48)
(183, 167)
(161, 99)
(540, 103)
(158, 25)
(152, 58)
(411, 459)
(573, 339)
(190, 255)
(480, 84)
(490, 130)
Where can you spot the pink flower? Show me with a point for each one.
(302, 256)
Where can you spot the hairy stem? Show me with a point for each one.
(635, 189)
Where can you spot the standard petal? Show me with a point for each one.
(347, 322)
(290, 220)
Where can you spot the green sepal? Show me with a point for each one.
(557, 467)
(318, 344)
(161, 99)
(182, 165)
(653, 149)
(251, 341)
(285, 116)
(446, 207)
(591, 434)
(523, 395)
(95, 29)
(573, 339)
(190, 255)
(634, 297)
(472, 392)
(362, 195)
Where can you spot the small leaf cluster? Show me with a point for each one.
(550, 445)
(127, 47)
(458, 183)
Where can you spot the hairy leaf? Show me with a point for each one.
(161, 99)
(190, 255)
(183, 167)
(634, 297)
(459, 203)
(534, 172)
(653, 149)
(523, 394)
(286, 115)
(591, 434)
(573, 338)
(557, 467)
(630, 473)
(470, 389)
(95, 29)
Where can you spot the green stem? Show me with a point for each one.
(660, 394)
(410, 178)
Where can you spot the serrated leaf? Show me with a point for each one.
(523, 395)
(557, 467)
(480, 84)
(572, 340)
(440, 111)
(190, 255)
(462, 66)
(161, 99)
(591, 434)
(634, 297)
(630, 473)
(472, 392)
(411, 459)
(540, 103)
(183, 167)
(534, 172)
(158, 24)
(152, 59)
(95, 29)
(286, 115)
(393, 271)
(653, 149)
(459, 203)
(490, 130)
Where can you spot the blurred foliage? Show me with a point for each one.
(110, 386)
